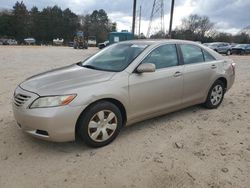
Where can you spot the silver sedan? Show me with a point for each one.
(125, 83)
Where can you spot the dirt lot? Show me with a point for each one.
(194, 147)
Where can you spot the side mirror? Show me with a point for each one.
(146, 67)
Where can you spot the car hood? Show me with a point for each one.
(65, 79)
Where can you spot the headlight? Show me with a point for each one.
(52, 101)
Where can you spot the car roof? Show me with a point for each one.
(158, 41)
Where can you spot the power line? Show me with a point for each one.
(157, 8)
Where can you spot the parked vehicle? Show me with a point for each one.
(71, 44)
(122, 84)
(233, 45)
(206, 44)
(221, 47)
(92, 41)
(115, 37)
(30, 41)
(103, 44)
(58, 42)
(241, 49)
(12, 42)
(79, 41)
(8, 42)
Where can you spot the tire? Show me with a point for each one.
(228, 52)
(93, 124)
(215, 95)
(242, 52)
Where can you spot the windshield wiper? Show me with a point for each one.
(89, 66)
(95, 68)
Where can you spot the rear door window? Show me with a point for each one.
(191, 54)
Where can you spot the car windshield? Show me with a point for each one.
(214, 44)
(114, 58)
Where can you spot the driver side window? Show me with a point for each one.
(163, 56)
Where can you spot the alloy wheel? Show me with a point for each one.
(216, 95)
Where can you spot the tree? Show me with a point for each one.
(34, 17)
(196, 27)
(241, 38)
(223, 37)
(6, 26)
(52, 22)
(70, 24)
(20, 21)
(113, 26)
(158, 35)
(100, 25)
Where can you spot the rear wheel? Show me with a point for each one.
(215, 95)
(242, 52)
(99, 124)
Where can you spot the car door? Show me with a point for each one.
(198, 74)
(220, 48)
(160, 90)
(248, 49)
(223, 48)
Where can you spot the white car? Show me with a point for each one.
(11, 42)
(58, 41)
(30, 40)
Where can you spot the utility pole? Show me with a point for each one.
(134, 15)
(139, 34)
(171, 19)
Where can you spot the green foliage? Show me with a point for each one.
(98, 24)
(20, 16)
(52, 22)
(6, 26)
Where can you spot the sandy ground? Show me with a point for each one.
(194, 147)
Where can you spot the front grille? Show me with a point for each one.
(20, 99)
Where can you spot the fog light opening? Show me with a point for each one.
(41, 132)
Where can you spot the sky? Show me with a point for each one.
(228, 15)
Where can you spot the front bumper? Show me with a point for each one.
(53, 124)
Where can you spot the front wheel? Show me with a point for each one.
(229, 52)
(99, 124)
(215, 95)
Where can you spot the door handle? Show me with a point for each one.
(177, 74)
(213, 66)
